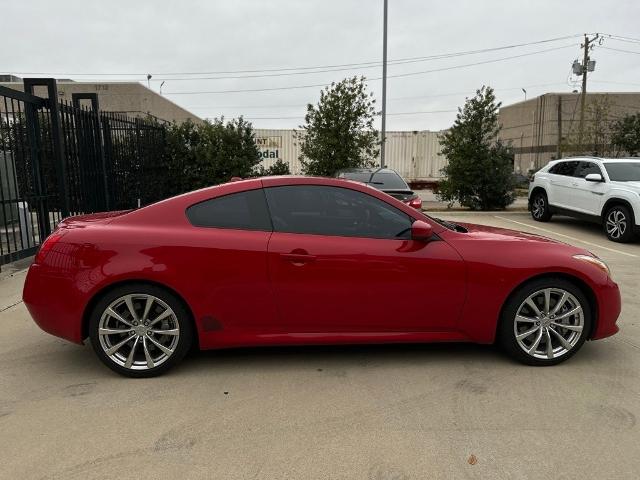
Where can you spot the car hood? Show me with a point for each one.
(485, 232)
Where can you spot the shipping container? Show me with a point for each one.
(414, 155)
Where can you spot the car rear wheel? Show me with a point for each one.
(540, 207)
(140, 330)
(545, 322)
(618, 224)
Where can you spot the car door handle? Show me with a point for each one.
(298, 258)
(574, 184)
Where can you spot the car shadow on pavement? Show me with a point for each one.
(82, 362)
(345, 356)
(582, 226)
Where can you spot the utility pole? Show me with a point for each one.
(384, 87)
(586, 67)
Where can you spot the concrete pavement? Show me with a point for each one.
(376, 412)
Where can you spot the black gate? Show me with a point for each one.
(59, 159)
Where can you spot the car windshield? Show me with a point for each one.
(380, 180)
(623, 171)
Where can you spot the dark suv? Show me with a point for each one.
(386, 180)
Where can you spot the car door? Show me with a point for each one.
(341, 260)
(227, 263)
(562, 189)
(588, 196)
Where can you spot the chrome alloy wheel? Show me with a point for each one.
(138, 331)
(549, 323)
(616, 223)
(538, 206)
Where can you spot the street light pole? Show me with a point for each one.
(384, 87)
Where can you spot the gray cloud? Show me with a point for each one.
(118, 37)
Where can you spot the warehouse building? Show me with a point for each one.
(130, 98)
(545, 128)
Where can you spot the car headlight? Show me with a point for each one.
(594, 261)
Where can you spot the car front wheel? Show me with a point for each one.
(618, 224)
(140, 330)
(540, 207)
(545, 322)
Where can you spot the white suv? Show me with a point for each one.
(606, 191)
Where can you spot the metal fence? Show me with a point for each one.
(59, 159)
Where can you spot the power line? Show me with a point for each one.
(616, 83)
(298, 117)
(480, 63)
(371, 64)
(620, 50)
(271, 89)
(622, 38)
(374, 78)
(300, 105)
(362, 65)
(421, 112)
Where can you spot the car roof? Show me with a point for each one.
(368, 170)
(598, 159)
(172, 209)
(622, 159)
(282, 180)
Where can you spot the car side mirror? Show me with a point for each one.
(594, 177)
(421, 231)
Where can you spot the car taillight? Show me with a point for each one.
(416, 203)
(47, 245)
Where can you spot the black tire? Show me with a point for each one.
(506, 334)
(540, 211)
(179, 322)
(618, 224)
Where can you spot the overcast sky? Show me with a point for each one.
(175, 40)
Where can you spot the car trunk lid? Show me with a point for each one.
(101, 217)
(402, 195)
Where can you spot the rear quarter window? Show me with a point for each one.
(564, 168)
(388, 181)
(242, 211)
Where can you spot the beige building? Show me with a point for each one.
(130, 98)
(538, 127)
(414, 155)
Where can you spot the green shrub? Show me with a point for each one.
(479, 173)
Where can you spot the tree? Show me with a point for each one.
(596, 139)
(626, 134)
(339, 130)
(209, 153)
(279, 167)
(479, 173)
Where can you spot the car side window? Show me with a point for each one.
(564, 168)
(242, 211)
(585, 168)
(335, 211)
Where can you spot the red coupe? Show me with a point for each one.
(300, 260)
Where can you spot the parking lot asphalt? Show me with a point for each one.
(375, 412)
